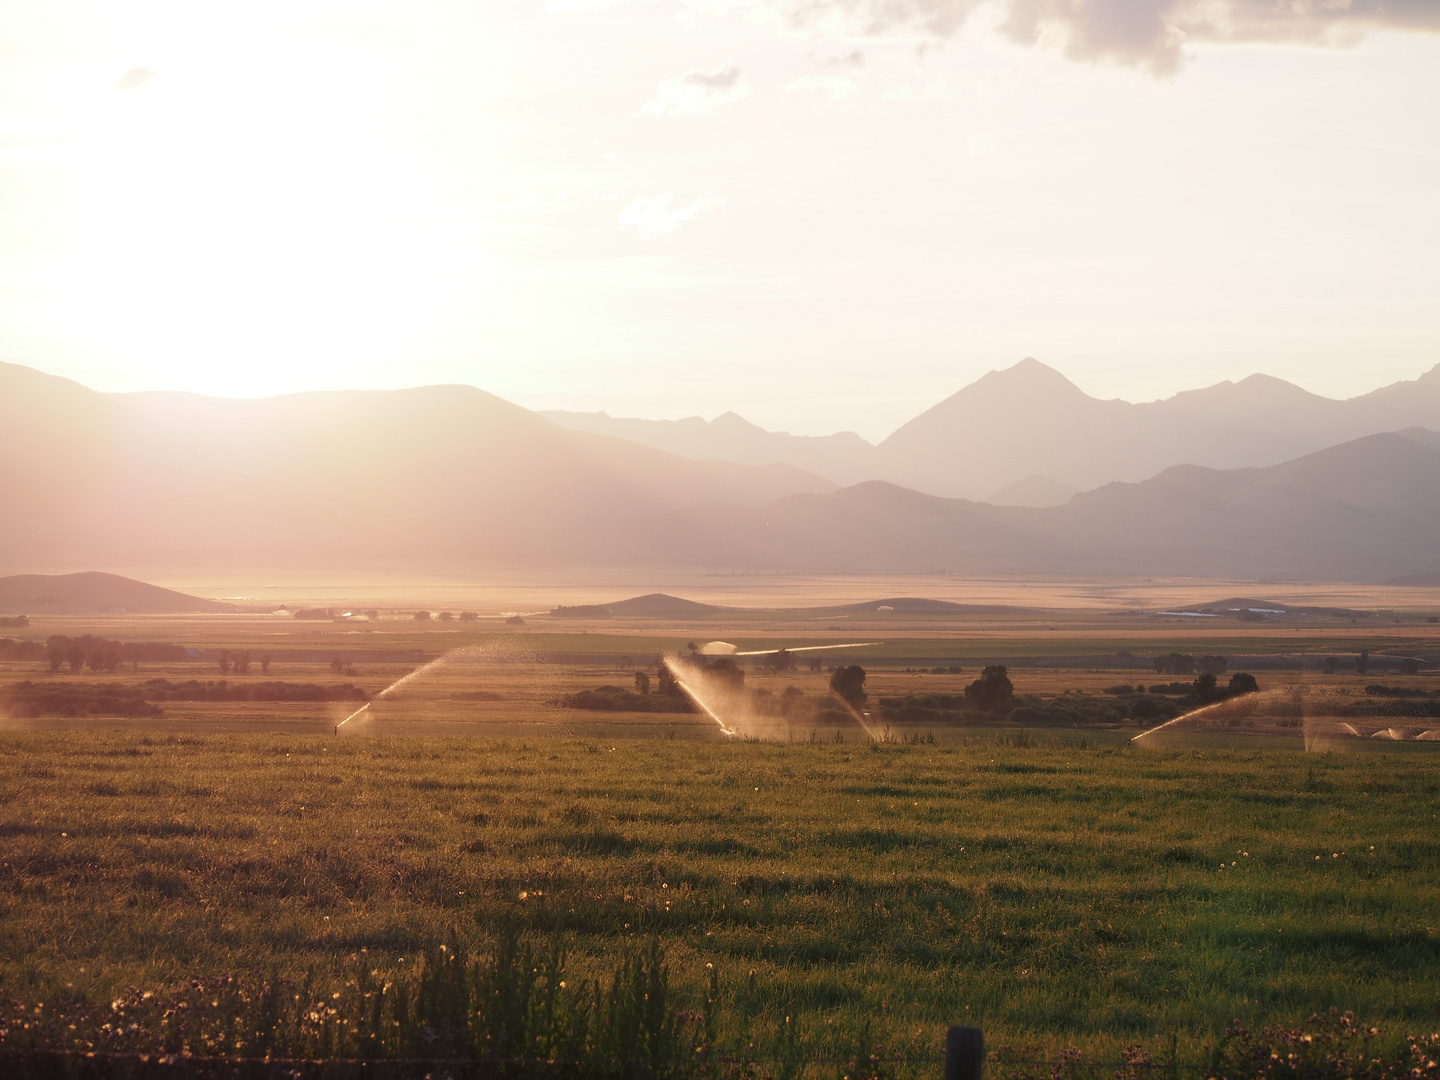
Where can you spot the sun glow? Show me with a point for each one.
(249, 206)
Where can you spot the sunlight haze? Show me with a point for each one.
(823, 217)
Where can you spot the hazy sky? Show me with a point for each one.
(823, 214)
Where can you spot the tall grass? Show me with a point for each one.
(1054, 894)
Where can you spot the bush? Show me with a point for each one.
(618, 699)
(27, 700)
(1242, 682)
(194, 690)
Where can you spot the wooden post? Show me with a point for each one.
(964, 1053)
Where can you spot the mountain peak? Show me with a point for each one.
(1029, 374)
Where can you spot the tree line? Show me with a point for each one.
(102, 654)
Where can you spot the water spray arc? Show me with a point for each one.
(421, 670)
(677, 669)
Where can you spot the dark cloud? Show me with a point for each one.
(1150, 33)
(852, 59)
(134, 79)
(722, 78)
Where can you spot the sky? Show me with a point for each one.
(822, 214)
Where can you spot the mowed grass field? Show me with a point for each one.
(1073, 891)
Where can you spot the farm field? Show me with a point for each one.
(1072, 891)
(375, 788)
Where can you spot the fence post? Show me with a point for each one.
(964, 1053)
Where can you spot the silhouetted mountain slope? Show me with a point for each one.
(89, 592)
(844, 457)
(1030, 421)
(440, 475)
(1366, 510)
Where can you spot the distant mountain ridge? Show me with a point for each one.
(1366, 510)
(450, 478)
(1028, 436)
(1029, 420)
(358, 478)
(844, 457)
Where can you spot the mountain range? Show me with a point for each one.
(1027, 436)
(1366, 510)
(450, 478)
(444, 475)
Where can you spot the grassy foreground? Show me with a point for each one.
(1055, 894)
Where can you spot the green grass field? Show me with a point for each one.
(1075, 891)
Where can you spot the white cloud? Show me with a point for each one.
(655, 216)
(979, 143)
(134, 79)
(1147, 33)
(698, 92)
(835, 87)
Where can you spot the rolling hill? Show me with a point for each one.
(89, 592)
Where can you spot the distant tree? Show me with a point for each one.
(1242, 682)
(665, 682)
(1409, 666)
(992, 690)
(337, 665)
(1174, 664)
(1331, 665)
(55, 653)
(372, 614)
(514, 620)
(75, 656)
(102, 655)
(241, 662)
(728, 670)
(849, 684)
(642, 683)
(422, 616)
(468, 616)
(783, 660)
(816, 664)
(692, 646)
(447, 616)
(1205, 689)
(1362, 662)
(1214, 665)
(224, 661)
(265, 664)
